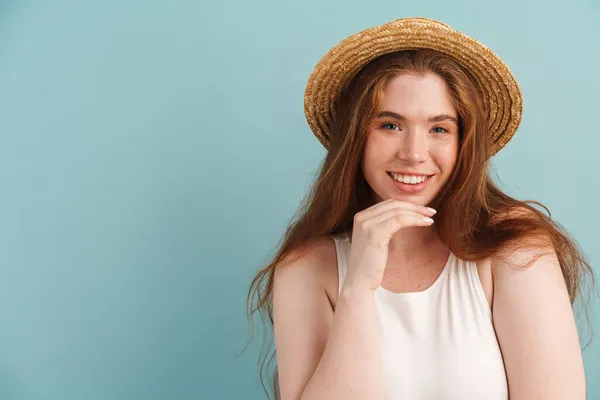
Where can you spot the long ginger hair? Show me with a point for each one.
(474, 219)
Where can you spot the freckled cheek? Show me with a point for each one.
(443, 154)
(446, 162)
(379, 151)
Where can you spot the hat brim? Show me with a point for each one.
(503, 101)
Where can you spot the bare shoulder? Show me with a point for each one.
(534, 321)
(302, 312)
(488, 268)
(315, 263)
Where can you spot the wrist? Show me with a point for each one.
(353, 291)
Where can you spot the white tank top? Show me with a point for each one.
(440, 343)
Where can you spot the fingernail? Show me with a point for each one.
(427, 219)
(431, 209)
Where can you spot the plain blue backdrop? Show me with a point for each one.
(152, 154)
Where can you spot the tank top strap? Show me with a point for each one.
(465, 280)
(342, 243)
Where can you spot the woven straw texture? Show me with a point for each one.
(503, 101)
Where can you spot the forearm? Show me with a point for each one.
(350, 367)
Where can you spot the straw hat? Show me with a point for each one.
(503, 101)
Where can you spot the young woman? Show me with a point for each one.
(409, 274)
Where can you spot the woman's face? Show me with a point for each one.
(412, 145)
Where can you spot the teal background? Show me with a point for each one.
(152, 154)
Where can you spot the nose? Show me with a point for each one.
(414, 146)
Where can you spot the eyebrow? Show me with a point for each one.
(435, 118)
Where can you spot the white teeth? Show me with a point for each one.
(410, 179)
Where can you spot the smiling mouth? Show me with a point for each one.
(409, 179)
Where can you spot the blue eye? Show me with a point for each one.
(387, 124)
(439, 127)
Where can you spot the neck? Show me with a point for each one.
(409, 241)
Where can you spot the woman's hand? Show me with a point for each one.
(371, 234)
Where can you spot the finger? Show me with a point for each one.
(380, 229)
(399, 214)
(390, 204)
(399, 221)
